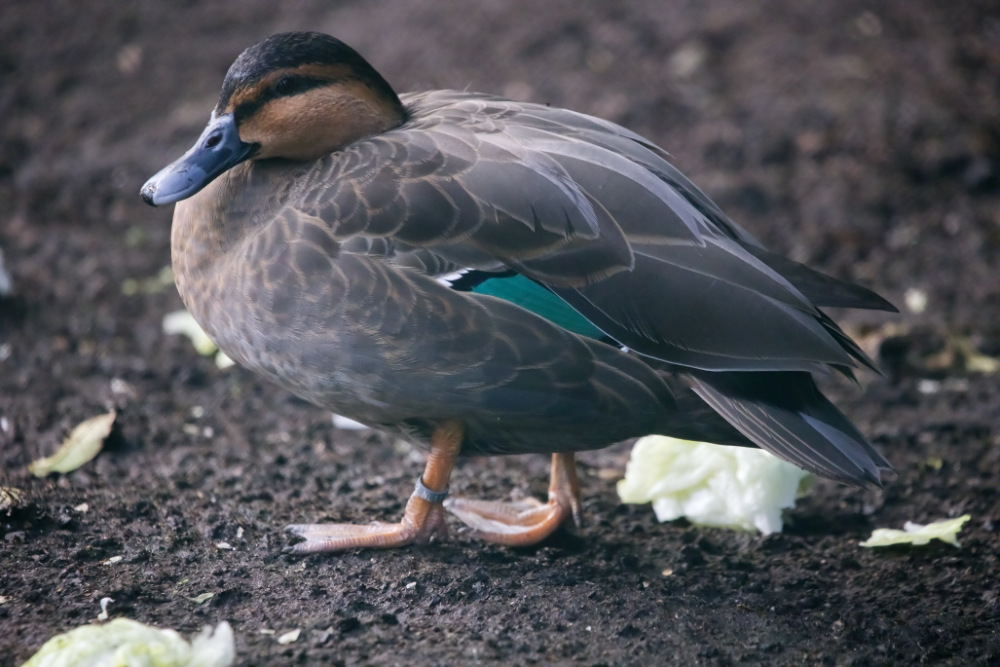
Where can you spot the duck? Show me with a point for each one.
(488, 277)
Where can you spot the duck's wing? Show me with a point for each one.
(595, 214)
(565, 132)
(823, 290)
(474, 197)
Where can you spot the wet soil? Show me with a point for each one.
(862, 138)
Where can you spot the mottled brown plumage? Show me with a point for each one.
(319, 208)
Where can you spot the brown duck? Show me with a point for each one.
(484, 276)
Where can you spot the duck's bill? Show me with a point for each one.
(218, 148)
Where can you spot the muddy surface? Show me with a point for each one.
(862, 138)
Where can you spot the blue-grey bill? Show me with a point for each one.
(218, 148)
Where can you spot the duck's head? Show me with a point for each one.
(297, 96)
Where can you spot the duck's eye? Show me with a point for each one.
(287, 85)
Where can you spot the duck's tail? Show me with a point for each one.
(784, 413)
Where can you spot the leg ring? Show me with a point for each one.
(430, 496)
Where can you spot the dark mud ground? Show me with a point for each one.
(863, 138)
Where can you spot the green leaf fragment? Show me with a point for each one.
(918, 535)
(83, 444)
(10, 498)
(124, 642)
(182, 322)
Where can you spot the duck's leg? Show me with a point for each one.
(423, 519)
(529, 521)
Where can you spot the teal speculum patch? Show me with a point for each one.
(531, 296)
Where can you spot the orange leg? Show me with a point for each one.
(525, 522)
(423, 519)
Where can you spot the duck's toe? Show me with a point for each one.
(422, 523)
(510, 524)
(528, 521)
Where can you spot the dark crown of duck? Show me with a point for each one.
(276, 102)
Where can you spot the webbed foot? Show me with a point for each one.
(423, 520)
(529, 521)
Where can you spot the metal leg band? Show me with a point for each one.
(428, 495)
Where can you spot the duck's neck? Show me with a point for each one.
(205, 230)
(197, 240)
